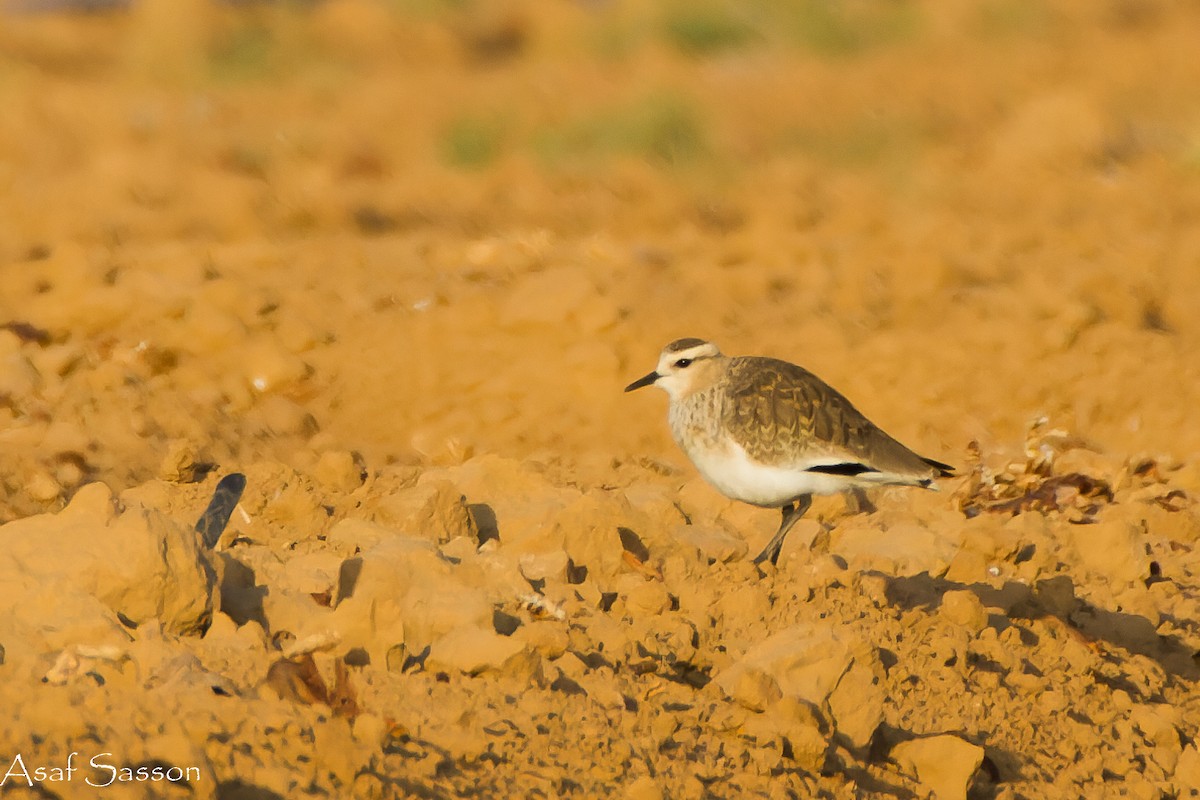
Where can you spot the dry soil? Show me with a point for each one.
(394, 262)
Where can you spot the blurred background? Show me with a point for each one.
(421, 229)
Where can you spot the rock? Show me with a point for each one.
(460, 548)
(857, 703)
(139, 563)
(472, 650)
(801, 539)
(647, 598)
(903, 549)
(968, 566)
(42, 486)
(740, 609)
(1160, 724)
(550, 565)
(700, 502)
(510, 500)
(589, 530)
(1176, 526)
(657, 505)
(601, 690)
(403, 591)
(350, 536)
(339, 470)
(669, 638)
(337, 751)
(1087, 462)
(434, 509)
(496, 572)
(753, 689)
(1112, 548)
(179, 463)
(806, 661)
(800, 725)
(1187, 768)
(643, 788)
(875, 587)
(312, 573)
(369, 730)
(943, 764)
(546, 637)
(713, 541)
(962, 607)
(286, 508)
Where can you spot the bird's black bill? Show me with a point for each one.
(643, 381)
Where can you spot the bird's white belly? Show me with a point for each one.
(731, 470)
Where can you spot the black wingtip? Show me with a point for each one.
(849, 469)
(944, 470)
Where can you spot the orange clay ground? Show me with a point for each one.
(395, 261)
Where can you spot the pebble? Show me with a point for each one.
(943, 764)
(962, 607)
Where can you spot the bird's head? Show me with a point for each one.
(683, 366)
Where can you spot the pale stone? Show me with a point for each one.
(403, 591)
(1113, 549)
(857, 702)
(351, 535)
(139, 563)
(643, 788)
(338, 470)
(712, 541)
(473, 650)
(902, 549)
(753, 689)
(942, 764)
(550, 565)
(1187, 767)
(962, 607)
(433, 509)
(546, 637)
(806, 661)
(801, 726)
(647, 598)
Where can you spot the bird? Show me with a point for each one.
(772, 434)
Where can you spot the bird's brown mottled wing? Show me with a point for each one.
(786, 414)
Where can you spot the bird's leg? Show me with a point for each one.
(791, 513)
(857, 502)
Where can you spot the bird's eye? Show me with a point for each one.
(683, 362)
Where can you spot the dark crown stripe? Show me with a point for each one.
(683, 344)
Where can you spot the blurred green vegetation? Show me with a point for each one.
(427, 8)
(832, 28)
(247, 52)
(669, 128)
(472, 142)
(664, 128)
(704, 28)
(828, 28)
